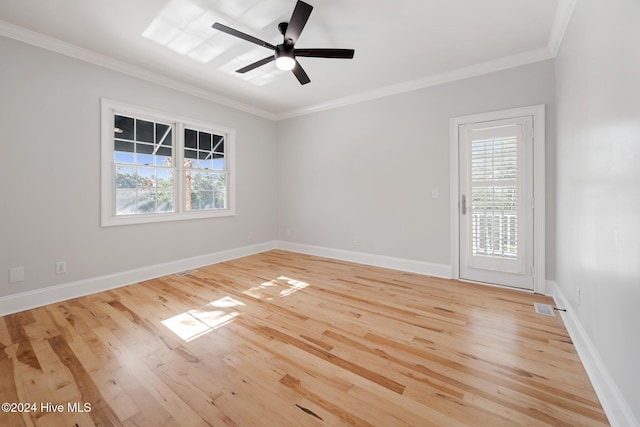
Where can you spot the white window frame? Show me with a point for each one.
(110, 108)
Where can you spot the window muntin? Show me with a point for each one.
(158, 167)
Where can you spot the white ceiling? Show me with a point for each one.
(399, 44)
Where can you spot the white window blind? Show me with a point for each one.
(494, 198)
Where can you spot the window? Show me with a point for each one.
(157, 167)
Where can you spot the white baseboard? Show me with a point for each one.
(37, 298)
(412, 266)
(26, 300)
(614, 404)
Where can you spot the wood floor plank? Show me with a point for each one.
(9, 393)
(288, 339)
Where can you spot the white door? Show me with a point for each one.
(496, 208)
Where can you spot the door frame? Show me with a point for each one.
(538, 114)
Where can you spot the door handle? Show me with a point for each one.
(463, 205)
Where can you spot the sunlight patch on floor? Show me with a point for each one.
(195, 323)
(276, 288)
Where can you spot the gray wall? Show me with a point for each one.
(598, 182)
(365, 172)
(49, 178)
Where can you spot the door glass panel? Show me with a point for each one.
(494, 198)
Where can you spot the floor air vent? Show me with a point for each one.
(186, 272)
(544, 309)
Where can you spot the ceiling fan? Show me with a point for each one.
(285, 54)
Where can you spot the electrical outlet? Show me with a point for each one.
(61, 267)
(356, 241)
(435, 193)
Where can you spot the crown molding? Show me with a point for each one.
(563, 15)
(499, 64)
(560, 24)
(36, 39)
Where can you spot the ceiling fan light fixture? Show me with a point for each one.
(285, 54)
(285, 60)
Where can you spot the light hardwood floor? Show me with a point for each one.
(283, 339)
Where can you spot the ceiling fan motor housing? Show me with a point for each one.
(282, 27)
(285, 57)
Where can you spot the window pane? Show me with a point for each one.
(190, 138)
(218, 146)
(164, 151)
(193, 201)
(206, 200)
(123, 128)
(200, 164)
(125, 202)
(164, 201)
(201, 200)
(164, 180)
(163, 161)
(144, 148)
(144, 131)
(123, 146)
(206, 164)
(194, 180)
(146, 202)
(206, 180)
(205, 190)
(125, 177)
(152, 195)
(144, 159)
(190, 154)
(120, 157)
(219, 181)
(161, 138)
(146, 178)
(218, 162)
(219, 199)
(205, 141)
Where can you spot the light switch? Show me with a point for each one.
(16, 274)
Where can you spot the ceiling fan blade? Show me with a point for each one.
(300, 74)
(297, 22)
(255, 65)
(325, 53)
(243, 36)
